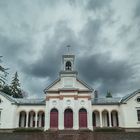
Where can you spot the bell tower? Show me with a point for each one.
(68, 60)
(68, 74)
(68, 63)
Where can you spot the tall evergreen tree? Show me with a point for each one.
(15, 87)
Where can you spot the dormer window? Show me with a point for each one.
(68, 65)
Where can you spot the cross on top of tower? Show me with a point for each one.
(68, 46)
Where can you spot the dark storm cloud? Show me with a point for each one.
(100, 67)
(137, 10)
(49, 63)
(92, 31)
(124, 31)
(13, 48)
(98, 4)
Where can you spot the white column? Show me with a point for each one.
(98, 119)
(36, 115)
(27, 118)
(47, 116)
(31, 120)
(60, 116)
(47, 120)
(76, 116)
(110, 125)
(101, 121)
(39, 120)
(89, 115)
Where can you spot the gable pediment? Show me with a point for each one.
(5, 97)
(68, 83)
(82, 85)
(131, 96)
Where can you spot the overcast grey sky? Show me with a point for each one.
(104, 35)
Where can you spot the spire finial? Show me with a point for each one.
(68, 46)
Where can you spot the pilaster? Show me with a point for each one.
(75, 116)
(61, 116)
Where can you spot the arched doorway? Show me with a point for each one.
(82, 118)
(68, 118)
(54, 118)
(105, 118)
(40, 119)
(31, 120)
(96, 119)
(114, 118)
(22, 119)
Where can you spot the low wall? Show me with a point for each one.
(70, 136)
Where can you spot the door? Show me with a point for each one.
(68, 118)
(54, 118)
(82, 118)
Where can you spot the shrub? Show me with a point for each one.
(107, 129)
(28, 130)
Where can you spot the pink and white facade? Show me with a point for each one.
(69, 104)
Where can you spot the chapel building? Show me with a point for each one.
(69, 105)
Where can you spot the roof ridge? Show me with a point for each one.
(128, 96)
(10, 98)
(55, 81)
(85, 84)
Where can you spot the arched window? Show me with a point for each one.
(68, 65)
